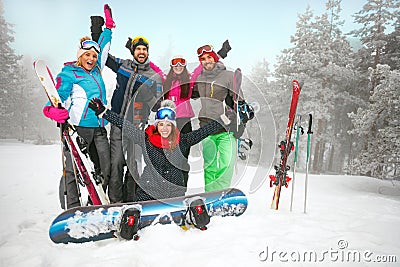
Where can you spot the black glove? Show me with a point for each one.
(246, 111)
(223, 52)
(244, 147)
(97, 106)
(97, 23)
(129, 45)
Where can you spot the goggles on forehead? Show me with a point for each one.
(165, 113)
(178, 61)
(89, 44)
(204, 49)
(140, 40)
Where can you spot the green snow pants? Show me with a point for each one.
(219, 154)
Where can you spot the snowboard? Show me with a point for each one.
(93, 223)
(84, 167)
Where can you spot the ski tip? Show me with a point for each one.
(296, 85)
(37, 63)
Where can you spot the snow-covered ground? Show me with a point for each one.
(349, 219)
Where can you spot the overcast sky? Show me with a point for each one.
(256, 29)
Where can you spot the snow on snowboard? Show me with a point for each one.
(93, 223)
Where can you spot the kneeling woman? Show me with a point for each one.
(163, 149)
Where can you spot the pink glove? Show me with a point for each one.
(110, 24)
(60, 115)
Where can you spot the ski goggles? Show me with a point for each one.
(204, 49)
(178, 61)
(89, 44)
(140, 40)
(165, 113)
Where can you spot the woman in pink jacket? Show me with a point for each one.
(177, 88)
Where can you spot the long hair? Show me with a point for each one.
(184, 78)
(172, 136)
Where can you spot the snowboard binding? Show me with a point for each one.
(244, 145)
(82, 144)
(98, 176)
(246, 112)
(129, 225)
(197, 214)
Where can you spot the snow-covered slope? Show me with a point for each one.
(348, 219)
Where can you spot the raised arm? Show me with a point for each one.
(104, 40)
(129, 130)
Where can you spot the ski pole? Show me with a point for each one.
(309, 133)
(76, 180)
(299, 130)
(64, 171)
(237, 82)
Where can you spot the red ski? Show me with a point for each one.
(285, 147)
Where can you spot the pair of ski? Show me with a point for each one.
(285, 147)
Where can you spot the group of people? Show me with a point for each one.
(143, 88)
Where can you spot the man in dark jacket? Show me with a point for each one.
(138, 91)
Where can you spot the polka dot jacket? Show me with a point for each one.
(162, 176)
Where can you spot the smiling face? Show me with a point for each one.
(141, 53)
(207, 61)
(178, 69)
(164, 128)
(88, 60)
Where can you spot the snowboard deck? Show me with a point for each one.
(93, 223)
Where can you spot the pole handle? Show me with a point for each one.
(309, 131)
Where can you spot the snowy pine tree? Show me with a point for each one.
(375, 17)
(9, 76)
(391, 51)
(377, 127)
(375, 132)
(260, 91)
(21, 95)
(276, 96)
(320, 60)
